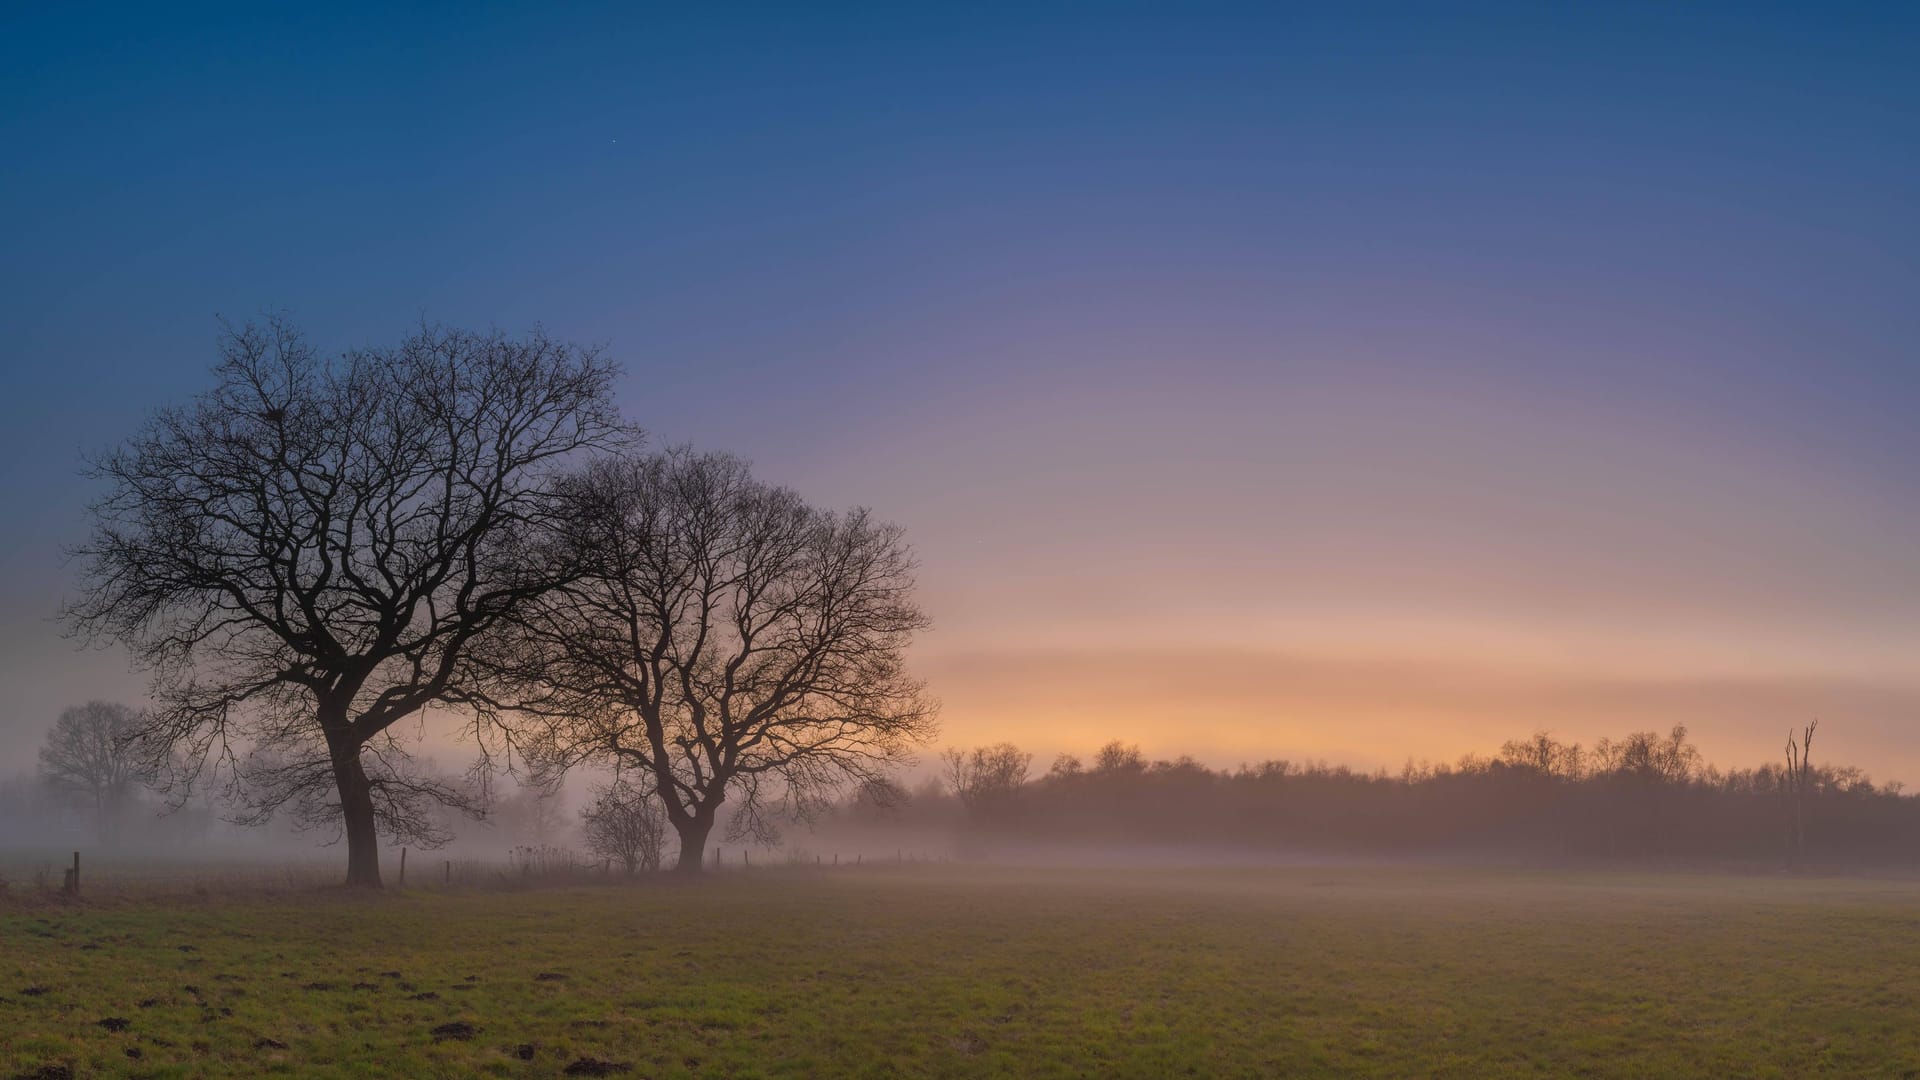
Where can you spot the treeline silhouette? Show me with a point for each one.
(1643, 795)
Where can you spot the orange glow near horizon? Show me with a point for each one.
(1375, 574)
(1280, 383)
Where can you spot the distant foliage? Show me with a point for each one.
(533, 813)
(1117, 758)
(986, 778)
(90, 755)
(1643, 794)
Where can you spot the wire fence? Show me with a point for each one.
(40, 877)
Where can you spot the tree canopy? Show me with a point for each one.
(306, 554)
(724, 638)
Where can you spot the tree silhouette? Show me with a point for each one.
(724, 638)
(306, 554)
(985, 776)
(1799, 783)
(89, 753)
(1640, 795)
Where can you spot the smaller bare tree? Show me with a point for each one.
(90, 753)
(987, 776)
(625, 823)
(723, 638)
(1118, 758)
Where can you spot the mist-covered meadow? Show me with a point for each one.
(904, 969)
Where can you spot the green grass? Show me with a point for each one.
(945, 971)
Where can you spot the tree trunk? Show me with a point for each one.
(356, 810)
(693, 843)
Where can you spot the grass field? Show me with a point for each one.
(946, 971)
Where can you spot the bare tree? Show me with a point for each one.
(727, 640)
(1117, 758)
(88, 753)
(1546, 755)
(305, 555)
(625, 823)
(1799, 781)
(987, 776)
(1645, 755)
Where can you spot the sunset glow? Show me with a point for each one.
(1267, 386)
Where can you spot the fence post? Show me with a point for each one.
(718, 862)
(746, 856)
(402, 883)
(449, 872)
(72, 883)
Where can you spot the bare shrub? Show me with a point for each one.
(625, 824)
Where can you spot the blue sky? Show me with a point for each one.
(1554, 346)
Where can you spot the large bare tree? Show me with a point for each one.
(305, 555)
(726, 639)
(88, 753)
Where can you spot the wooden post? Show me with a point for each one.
(449, 871)
(746, 856)
(73, 877)
(718, 862)
(856, 858)
(403, 869)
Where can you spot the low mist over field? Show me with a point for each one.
(937, 541)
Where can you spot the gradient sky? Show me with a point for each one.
(1350, 381)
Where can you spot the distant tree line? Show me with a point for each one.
(1645, 794)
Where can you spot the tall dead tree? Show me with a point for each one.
(726, 639)
(306, 554)
(1799, 784)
